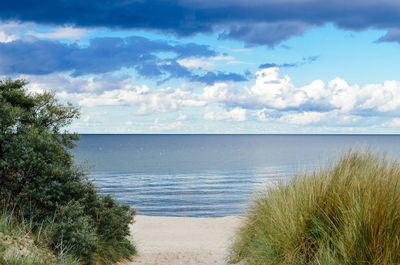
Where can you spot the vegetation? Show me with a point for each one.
(20, 245)
(39, 181)
(346, 214)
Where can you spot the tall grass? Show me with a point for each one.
(20, 245)
(348, 213)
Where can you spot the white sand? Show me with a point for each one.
(182, 240)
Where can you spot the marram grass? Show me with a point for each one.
(348, 213)
(19, 245)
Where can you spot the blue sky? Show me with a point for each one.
(288, 66)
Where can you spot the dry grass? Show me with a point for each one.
(348, 213)
(20, 246)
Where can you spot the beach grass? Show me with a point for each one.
(347, 213)
(21, 245)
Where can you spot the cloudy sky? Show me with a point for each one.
(206, 66)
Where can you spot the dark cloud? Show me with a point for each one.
(305, 60)
(310, 59)
(393, 35)
(104, 55)
(256, 22)
(269, 65)
(264, 33)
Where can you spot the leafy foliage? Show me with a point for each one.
(39, 179)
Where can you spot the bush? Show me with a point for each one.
(112, 217)
(74, 232)
(39, 180)
(346, 214)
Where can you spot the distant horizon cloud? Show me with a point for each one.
(271, 98)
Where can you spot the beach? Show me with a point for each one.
(182, 240)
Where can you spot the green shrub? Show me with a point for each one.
(346, 214)
(112, 219)
(74, 232)
(38, 178)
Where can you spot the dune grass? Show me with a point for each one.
(20, 245)
(348, 213)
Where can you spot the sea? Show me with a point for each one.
(209, 175)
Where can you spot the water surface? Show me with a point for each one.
(208, 175)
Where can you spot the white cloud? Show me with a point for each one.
(272, 98)
(197, 63)
(86, 118)
(62, 33)
(5, 37)
(219, 92)
(182, 117)
(395, 122)
(114, 91)
(236, 114)
(273, 91)
(11, 31)
(221, 57)
(204, 63)
(267, 114)
(166, 126)
(302, 118)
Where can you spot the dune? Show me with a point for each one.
(182, 240)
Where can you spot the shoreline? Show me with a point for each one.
(183, 240)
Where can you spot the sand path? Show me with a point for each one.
(182, 240)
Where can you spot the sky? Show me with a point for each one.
(219, 67)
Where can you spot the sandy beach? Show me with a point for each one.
(182, 240)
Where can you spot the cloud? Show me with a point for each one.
(213, 77)
(270, 34)
(104, 55)
(267, 114)
(114, 91)
(302, 118)
(197, 63)
(182, 117)
(254, 22)
(236, 114)
(4, 37)
(272, 98)
(61, 33)
(10, 31)
(205, 63)
(304, 60)
(166, 126)
(275, 92)
(395, 122)
(272, 65)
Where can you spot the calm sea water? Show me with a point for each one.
(208, 175)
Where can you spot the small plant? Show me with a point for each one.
(22, 246)
(346, 214)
